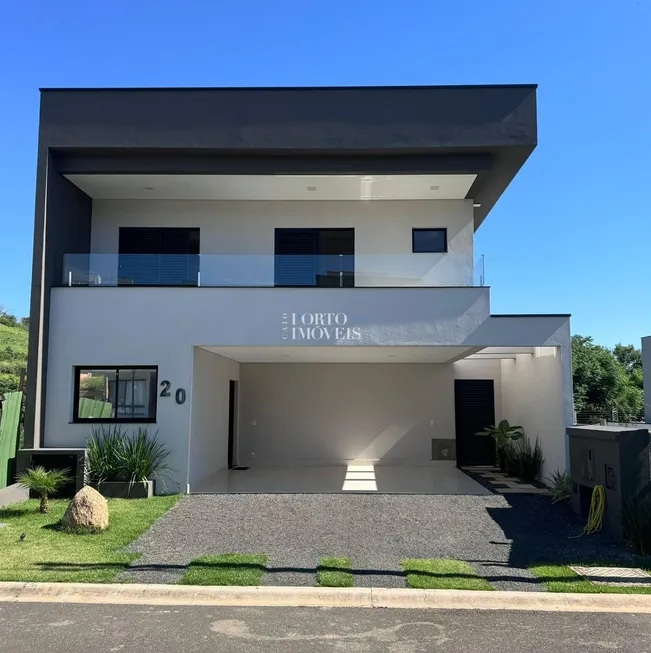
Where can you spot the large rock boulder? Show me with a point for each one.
(88, 510)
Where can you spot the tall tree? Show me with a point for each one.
(631, 359)
(603, 382)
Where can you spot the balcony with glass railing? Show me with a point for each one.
(269, 270)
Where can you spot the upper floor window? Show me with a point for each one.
(115, 394)
(429, 240)
(315, 257)
(159, 256)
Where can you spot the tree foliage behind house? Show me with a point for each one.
(607, 381)
(14, 335)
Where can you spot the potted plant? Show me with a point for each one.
(504, 435)
(43, 483)
(125, 466)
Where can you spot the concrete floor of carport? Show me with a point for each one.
(437, 477)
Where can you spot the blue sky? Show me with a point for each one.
(572, 234)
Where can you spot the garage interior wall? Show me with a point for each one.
(532, 397)
(323, 413)
(211, 378)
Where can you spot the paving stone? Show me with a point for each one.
(615, 576)
(482, 468)
(522, 490)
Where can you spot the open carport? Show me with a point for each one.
(365, 419)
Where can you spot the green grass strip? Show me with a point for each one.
(443, 575)
(560, 578)
(335, 572)
(226, 569)
(49, 554)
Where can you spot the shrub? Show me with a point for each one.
(636, 521)
(43, 483)
(503, 433)
(113, 455)
(561, 486)
(104, 450)
(521, 459)
(144, 456)
(528, 458)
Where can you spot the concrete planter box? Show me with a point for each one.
(124, 490)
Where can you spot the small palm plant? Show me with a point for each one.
(43, 483)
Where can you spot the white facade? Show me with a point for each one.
(384, 396)
(324, 375)
(365, 333)
(237, 237)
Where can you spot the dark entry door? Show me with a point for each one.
(232, 418)
(474, 405)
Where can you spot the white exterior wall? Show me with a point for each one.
(161, 326)
(324, 413)
(532, 397)
(211, 376)
(242, 232)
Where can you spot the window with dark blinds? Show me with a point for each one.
(315, 257)
(159, 256)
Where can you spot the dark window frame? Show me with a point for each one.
(429, 251)
(112, 420)
(194, 244)
(349, 275)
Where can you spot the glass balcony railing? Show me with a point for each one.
(268, 270)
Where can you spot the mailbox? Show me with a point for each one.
(617, 457)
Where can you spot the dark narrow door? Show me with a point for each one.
(232, 417)
(474, 405)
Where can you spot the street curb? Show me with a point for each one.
(332, 597)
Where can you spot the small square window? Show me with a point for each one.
(429, 240)
(115, 394)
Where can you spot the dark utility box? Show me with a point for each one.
(72, 459)
(617, 457)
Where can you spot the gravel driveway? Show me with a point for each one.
(498, 535)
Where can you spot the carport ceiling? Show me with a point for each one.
(342, 354)
(274, 187)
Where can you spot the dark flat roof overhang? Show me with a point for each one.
(487, 130)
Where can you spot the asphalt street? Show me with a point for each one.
(78, 628)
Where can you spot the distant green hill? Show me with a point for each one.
(13, 352)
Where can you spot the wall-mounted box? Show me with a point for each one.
(617, 457)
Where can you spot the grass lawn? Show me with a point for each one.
(51, 555)
(334, 572)
(560, 578)
(443, 575)
(226, 569)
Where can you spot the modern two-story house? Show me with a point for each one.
(285, 278)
